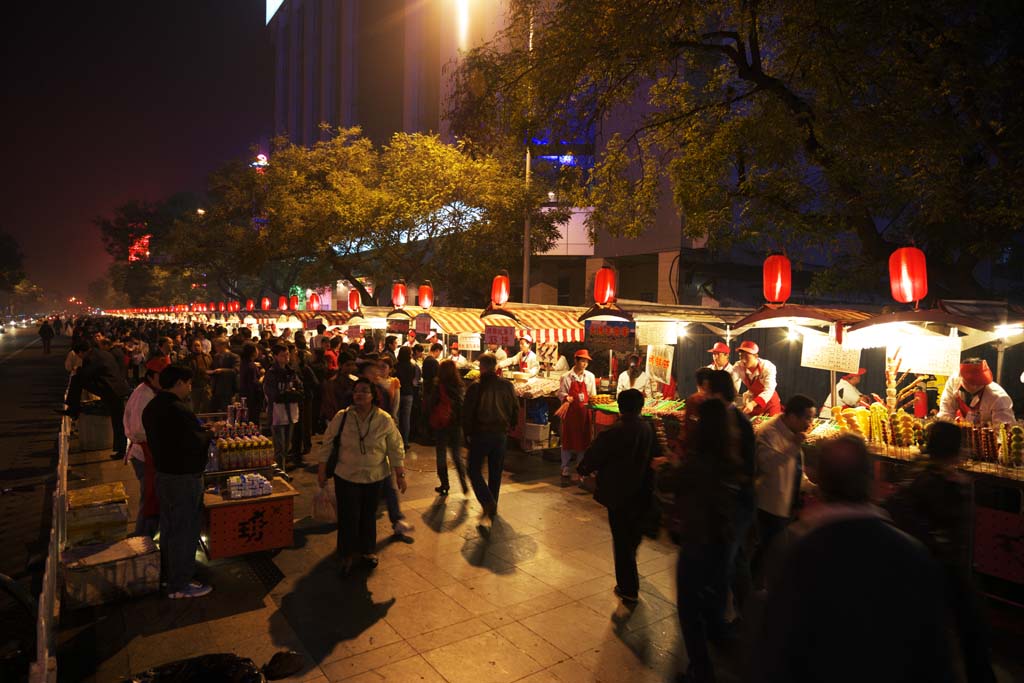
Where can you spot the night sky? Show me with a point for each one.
(110, 101)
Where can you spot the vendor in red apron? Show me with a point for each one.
(973, 397)
(524, 361)
(575, 390)
(758, 376)
(720, 361)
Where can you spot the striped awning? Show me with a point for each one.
(457, 320)
(546, 324)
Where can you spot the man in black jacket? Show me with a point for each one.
(621, 455)
(490, 409)
(179, 447)
(101, 374)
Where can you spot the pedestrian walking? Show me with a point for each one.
(445, 416)
(574, 391)
(490, 409)
(179, 447)
(361, 450)
(847, 573)
(621, 456)
(46, 334)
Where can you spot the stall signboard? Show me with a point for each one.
(615, 335)
(469, 341)
(656, 333)
(355, 331)
(423, 324)
(822, 352)
(502, 336)
(313, 323)
(659, 362)
(926, 355)
(398, 327)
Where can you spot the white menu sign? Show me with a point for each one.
(822, 352)
(469, 341)
(928, 355)
(656, 333)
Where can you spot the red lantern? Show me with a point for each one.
(212, 306)
(777, 278)
(500, 287)
(222, 307)
(398, 294)
(250, 305)
(282, 303)
(604, 286)
(425, 294)
(908, 275)
(314, 302)
(293, 302)
(265, 303)
(354, 300)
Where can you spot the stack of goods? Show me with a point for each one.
(856, 420)
(536, 387)
(902, 431)
(248, 486)
(225, 429)
(235, 453)
(1012, 438)
(601, 399)
(663, 407)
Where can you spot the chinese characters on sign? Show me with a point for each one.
(423, 324)
(398, 327)
(602, 335)
(469, 341)
(251, 530)
(659, 362)
(502, 336)
(822, 352)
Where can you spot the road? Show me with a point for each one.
(31, 385)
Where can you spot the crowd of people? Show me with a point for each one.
(802, 587)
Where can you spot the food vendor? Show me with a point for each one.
(971, 395)
(758, 376)
(575, 390)
(524, 361)
(497, 351)
(457, 357)
(634, 377)
(720, 361)
(847, 392)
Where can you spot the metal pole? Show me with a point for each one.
(526, 219)
(832, 378)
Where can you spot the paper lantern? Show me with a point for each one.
(604, 286)
(265, 303)
(314, 302)
(398, 294)
(293, 302)
(425, 296)
(354, 300)
(282, 303)
(908, 275)
(221, 307)
(500, 288)
(778, 279)
(212, 306)
(250, 305)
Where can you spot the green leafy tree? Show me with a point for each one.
(11, 262)
(827, 125)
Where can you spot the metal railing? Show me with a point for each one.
(44, 669)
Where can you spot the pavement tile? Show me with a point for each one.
(649, 610)
(378, 634)
(540, 650)
(601, 584)
(449, 634)
(410, 670)
(470, 600)
(561, 573)
(429, 570)
(571, 628)
(427, 611)
(395, 579)
(486, 658)
(349, 667)
(571, 671)
(614, 661)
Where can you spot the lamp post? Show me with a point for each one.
(526, 219)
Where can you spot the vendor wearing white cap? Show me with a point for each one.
(847, 392)
(720, 361)
(575, 390)
(524, 361)
(758, 376)
(972, 396)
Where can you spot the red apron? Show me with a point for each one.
(576, 423)
(969, 412)
(755, 387)
(152, 507)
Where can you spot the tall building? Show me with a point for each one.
(384, 64)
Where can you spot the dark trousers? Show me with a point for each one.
(283, 447)
(700, 599)
(144, 525)
(739, 553)
(46, 345)
(302, 435)
(115, 406)
(181, 500)
(769, 529)
(489, 447)
(445, 439)
(971, 626)
(357, 516)
(625, 527)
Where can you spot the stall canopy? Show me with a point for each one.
(809, 316)
(546, 324)
(457, 320)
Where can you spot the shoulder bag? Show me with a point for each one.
(332, 459)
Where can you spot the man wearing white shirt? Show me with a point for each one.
(498, 352)
(758, 376)
(847, 393)
(148, 520)
(972, 396)
(457, 357)
(524, 361)
(574, 390)
(634, 377)
(720, 361)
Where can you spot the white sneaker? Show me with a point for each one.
(402, 527)
(193, 590)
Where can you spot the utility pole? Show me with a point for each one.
(526, 218)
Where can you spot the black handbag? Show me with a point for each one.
(332, 459)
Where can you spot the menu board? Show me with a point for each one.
(398, 327)
(616, 335)
(469, 341)
(656, 333)
(500, 335)
(822, 352)
(355, 331)
(659, 362)
(928, 355)
(423, 324)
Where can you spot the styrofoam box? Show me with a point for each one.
(101, 573)
(536, 432)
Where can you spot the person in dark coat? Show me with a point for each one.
(934, 506)
(101, 375)
(621, 456)
(852, 598)
(46, 334)
(179, 447)
(447, 436)
(490, 409)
